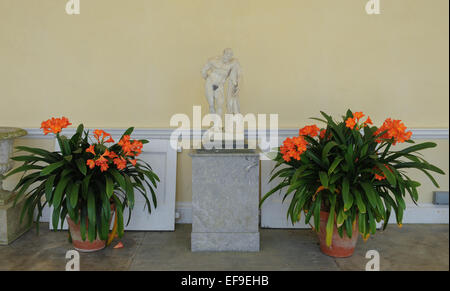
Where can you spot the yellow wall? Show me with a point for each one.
(122, 63)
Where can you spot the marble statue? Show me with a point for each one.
(218, 72)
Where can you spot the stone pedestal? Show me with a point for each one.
(10, 228)
(225, 197)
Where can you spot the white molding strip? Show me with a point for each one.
(138, 133)
(426, 213)
(183, 212)
(165, 133)
(418, 133)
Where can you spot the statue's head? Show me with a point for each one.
(227, 55)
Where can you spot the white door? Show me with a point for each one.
(163, 160)
(274, 211)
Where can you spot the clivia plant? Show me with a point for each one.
(346, 177)
(88, 181)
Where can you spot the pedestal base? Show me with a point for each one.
(221, 242)
(10, 226)
(6, 197)
(225, 199)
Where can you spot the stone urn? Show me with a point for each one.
(10, 227)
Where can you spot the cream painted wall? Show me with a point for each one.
(137, 62)
(122, 63)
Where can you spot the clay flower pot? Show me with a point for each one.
(341, 247)
(78, 243)
(85, 246)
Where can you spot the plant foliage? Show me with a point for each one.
(350, 170)
(84, 179)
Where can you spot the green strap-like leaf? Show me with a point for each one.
(119, 178)
(359, 201)
(129, 131)
(318, 204)
(85, 186)
(129, 191)
(49, 188)
(38, 151)
(23, 168)
(268, 194)
(50, 168)
(81, 164)
(323, 179)
(91, 210)
(333, 166)
(59, 190)
(348, 198)
(414, 148)
(387, 172)
(362, 223)
(109, 186)
(55, 217)
(74, 194)
(340, 219)
(349, 227)
(119, 209)
(83, 217)
(370, 193)
(330, 223)
(330, 145)
(372, 223)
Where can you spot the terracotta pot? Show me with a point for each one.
(341, 247)
(85, 245)
(78, 243)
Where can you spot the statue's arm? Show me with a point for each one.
(206, 69)
(236, 73)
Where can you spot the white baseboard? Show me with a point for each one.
(426, 213)
(183, 212)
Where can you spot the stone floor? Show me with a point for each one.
(414, 247)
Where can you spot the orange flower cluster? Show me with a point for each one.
(293, 148)
(354, 122)
(395, 129)
(55, 125)
(101, 135)
(130, 149)
(102, 161)
(311, 130)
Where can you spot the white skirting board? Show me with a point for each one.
(424, 213)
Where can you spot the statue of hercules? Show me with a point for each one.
(216, 73)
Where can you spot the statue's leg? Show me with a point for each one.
(219, 98)
(235, 108)
(230, 105)
(210, 98)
